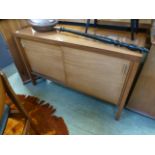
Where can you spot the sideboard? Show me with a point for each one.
(94, 68)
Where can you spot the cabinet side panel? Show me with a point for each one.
(142, 98)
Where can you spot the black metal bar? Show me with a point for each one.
(134, 27)
(106, 40)
(137, 25)
(95, 22)
(113, 27)
(87, 25)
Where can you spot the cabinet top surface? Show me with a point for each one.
(68, 38)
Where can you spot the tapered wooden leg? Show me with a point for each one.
(131, 74)
(118, 114)
(25, 61)
(33, 79)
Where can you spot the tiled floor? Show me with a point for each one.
(83, 114)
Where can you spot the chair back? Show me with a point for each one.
(6, 89)
(2, 97)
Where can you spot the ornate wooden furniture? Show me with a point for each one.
(5, 89)
(95, 68)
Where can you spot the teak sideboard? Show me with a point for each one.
(101, 70)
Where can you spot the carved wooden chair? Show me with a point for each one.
(6, 90)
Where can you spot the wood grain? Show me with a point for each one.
(45, 59)
(95, 74)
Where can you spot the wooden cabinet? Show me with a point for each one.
(97, 69)
(96, 74)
